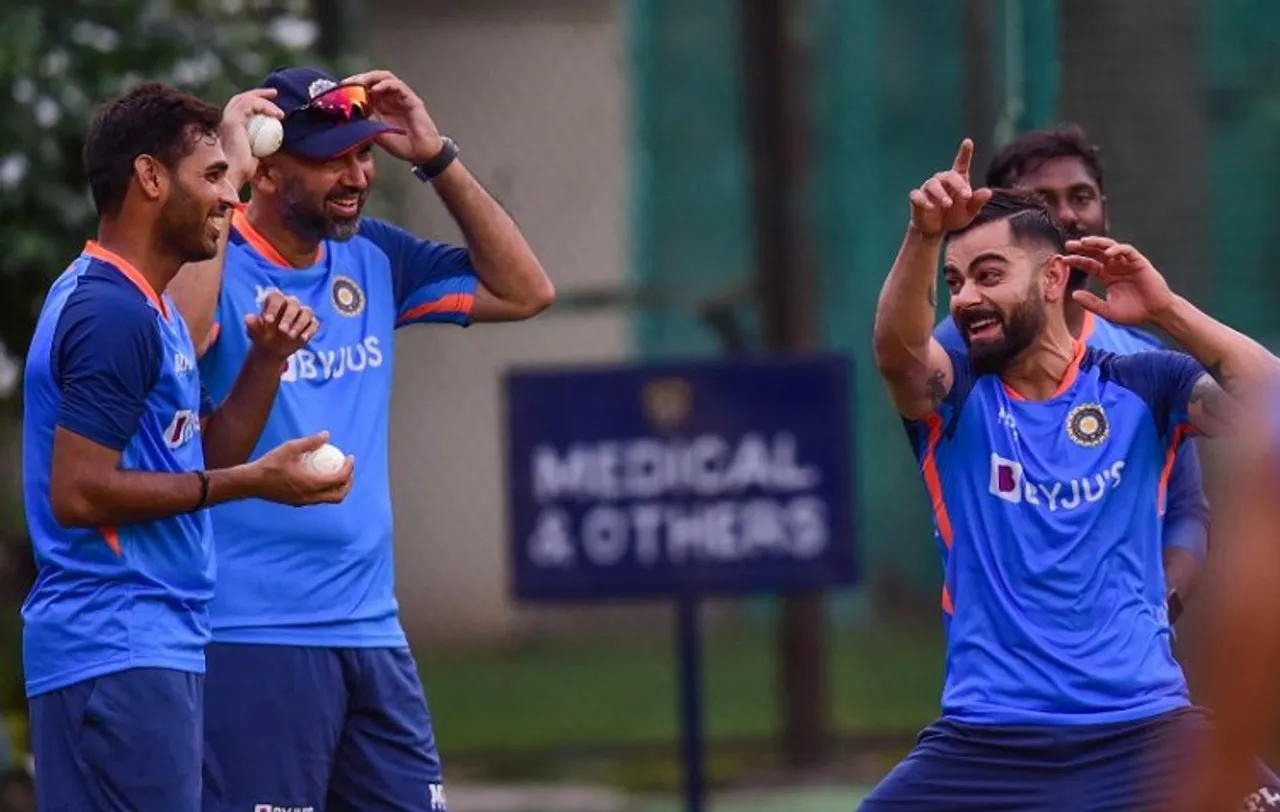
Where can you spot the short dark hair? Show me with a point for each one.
(149, 119)
(1030, 220)
(1028, 151)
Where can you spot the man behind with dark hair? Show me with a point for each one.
(117, 434)
(1064, 168)
(1045, 462)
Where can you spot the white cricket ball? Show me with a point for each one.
(266, 134)
(325, 460)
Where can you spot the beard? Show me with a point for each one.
(311, 220)
(184, 227)
(1017, 332)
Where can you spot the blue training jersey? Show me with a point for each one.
(1049, 516)
(322, 575)
(113, 362)
(1186, 521)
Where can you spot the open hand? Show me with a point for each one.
(396, 104)
(284, 326)
(946, 201)
(1136, 293)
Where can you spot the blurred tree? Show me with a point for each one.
(57, 61)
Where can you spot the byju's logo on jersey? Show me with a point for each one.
(347, 296)
(331, 364)
(1009, 483)
(184, 426)
(1087, 425)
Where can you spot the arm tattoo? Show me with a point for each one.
(1217, 404)
(1224, 379)
(937, 385)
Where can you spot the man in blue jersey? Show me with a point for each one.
(1046, 463)
(1063, 167)
(122, 454)
(308, 646)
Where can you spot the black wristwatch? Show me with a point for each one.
(430, 169)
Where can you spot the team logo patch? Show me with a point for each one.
(1087, 425)
(320, 86)
(347, 296)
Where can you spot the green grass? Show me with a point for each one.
(567, 694)
(822, 799)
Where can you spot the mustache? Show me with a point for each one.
(967, 317)
(349, 191)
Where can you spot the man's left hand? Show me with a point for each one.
(1136, 293)
(396, 104)
(284, 326)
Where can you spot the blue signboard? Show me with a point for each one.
(683, 479)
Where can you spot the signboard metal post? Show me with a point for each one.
(689, 654)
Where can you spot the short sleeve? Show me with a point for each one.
(1186, 518)
(948, 335)
(1164, 379)
(106, 358)
(434, 282)
(937, 425)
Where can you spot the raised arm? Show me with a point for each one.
(915, 367)
(1236, 367)
(196, 287)
(512, 284)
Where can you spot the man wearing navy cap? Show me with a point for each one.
(312, 697)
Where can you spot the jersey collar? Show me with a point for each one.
(95, 250)
(1073, 370)
(240, 222)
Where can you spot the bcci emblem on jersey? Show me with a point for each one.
(347, 296)
(1087, 425)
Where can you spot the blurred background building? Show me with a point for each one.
(619, 134)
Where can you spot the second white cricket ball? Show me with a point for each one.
(326, 459)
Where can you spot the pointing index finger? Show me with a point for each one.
(964, 158)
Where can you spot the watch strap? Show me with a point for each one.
(431, 168)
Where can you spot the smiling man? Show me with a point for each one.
(122, 454)
(313, 698)
(1064, 169)
(1045, 463)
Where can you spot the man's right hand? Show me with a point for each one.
(282, 475)
(234, 133)
(946, 201)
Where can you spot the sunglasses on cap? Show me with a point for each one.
(344, 103)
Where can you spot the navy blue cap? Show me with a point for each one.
(316, 137)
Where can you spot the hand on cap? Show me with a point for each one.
(394, 103)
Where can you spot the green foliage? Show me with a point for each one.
(58, 60)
